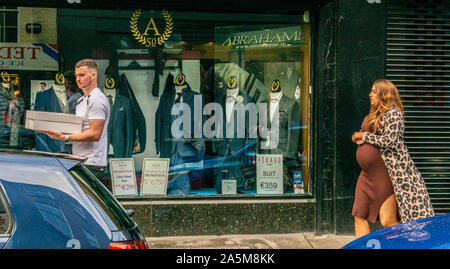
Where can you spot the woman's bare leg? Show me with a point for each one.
(361, 227)
(388, 212)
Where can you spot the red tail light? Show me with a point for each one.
(136, 244)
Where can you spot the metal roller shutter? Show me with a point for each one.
(418, 63)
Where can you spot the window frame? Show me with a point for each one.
(4, 10)
(7, 206)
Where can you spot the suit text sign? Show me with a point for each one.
(269, 174)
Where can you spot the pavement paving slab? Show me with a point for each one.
(253, 241)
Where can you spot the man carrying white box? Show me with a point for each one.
(94, 108)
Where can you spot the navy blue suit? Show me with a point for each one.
(47, 101)
(179, 151)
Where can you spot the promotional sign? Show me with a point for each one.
(28, 56)
(298, 182)
(38, 86)
(229, 186)
(269, 174)
(123, 177)
(4, 222)
(155, 175)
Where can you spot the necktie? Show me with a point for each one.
(178, 99)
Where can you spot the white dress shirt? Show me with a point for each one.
(274, 98)
(230, 102)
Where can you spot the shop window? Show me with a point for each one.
(241, 123)
(8, 24)
(226, 64)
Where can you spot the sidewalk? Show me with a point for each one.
(254, 241)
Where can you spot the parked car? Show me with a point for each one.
(427, 233)
(52, 201)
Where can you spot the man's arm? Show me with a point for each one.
(94, 133)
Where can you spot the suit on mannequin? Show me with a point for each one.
(140, 129)
(289, 128)
(180, 150)
(233, 150)
(49, 102)
(120, 128)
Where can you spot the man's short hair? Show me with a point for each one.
(88, 63)
(43, 83)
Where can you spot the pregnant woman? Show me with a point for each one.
(387, 168)
(374, 194)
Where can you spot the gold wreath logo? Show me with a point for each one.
(151, 41)
(231, 82)
(60, 78)
(5, 77)
(275, 85)
(110, 83)
(181, 79)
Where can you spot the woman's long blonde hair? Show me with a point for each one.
(389, 98)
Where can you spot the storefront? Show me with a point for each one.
(150, 55)
(270, 97)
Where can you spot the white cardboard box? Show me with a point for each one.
(60, 122)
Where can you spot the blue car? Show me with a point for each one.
(427, 233)
(52, 201)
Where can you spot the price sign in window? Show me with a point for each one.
(269, 174)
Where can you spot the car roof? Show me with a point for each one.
(35, 157)
(426, 233)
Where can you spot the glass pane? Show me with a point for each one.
(243, 98)
(10, 34)
(11, 18)
(5, 218)
(113, 213)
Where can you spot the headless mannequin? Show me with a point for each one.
(275, 96)
(110, 94)
(180, 85)
(232, 91)
(60, 91)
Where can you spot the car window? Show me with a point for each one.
(5, 217)
(111, 210)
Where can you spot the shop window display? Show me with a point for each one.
(226, 102)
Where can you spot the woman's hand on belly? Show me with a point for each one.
(357, 137)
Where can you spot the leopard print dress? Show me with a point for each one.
(409, 186)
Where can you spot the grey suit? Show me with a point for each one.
(289, 144)
(289, 129)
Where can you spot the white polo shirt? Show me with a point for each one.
(94, 106)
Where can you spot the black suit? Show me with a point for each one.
(121, 132)
(232, 151)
